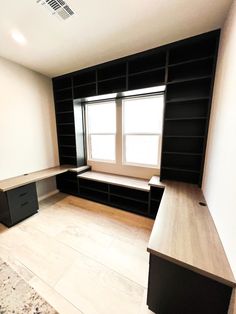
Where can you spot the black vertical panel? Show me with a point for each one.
(79, 133)
(174, 289)
(63, 96)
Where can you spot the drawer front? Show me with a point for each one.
(22, 202)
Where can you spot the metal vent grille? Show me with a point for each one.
(57, 7)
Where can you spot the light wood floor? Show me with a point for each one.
(82, 257)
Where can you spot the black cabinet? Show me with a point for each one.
(18, 204)
(175, 289)
(67, 182)
(186, 67)
(142, 202)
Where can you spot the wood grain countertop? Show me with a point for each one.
(139, 184)
(184, 233)
(15, 182)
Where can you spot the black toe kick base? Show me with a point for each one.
(173, 289)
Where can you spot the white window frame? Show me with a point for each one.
(124, 162)
(88, 135)
(119, 166)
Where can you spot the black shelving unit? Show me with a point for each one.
(190, 74)
(67, 182)
(145, 203)
(186, 67)
(69, 143)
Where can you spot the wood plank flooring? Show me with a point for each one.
(81, 256)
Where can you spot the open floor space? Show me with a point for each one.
(82, 257)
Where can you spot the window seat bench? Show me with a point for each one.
(126, 193)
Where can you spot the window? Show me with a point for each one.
(142, 129)
(101, 130)
(125, 133)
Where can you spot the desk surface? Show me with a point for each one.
(184, 233)
(15, 182)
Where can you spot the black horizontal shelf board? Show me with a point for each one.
(112, 78)
(63, 100)
(127, 208)
(93, 198)
(146, 71)
(181, 169)
(190, 79)
(135, 201)
(129, 198)
(67, 156)
(92, 189)
(153, 199)
(183, 153)
(62, 89)
(184, 136)
(68, 180)
(190, 61)
(85, 84)
(68, 191)
(186, 118)
(182, 99)
(65, 123)
(64, 112)
(65, 145)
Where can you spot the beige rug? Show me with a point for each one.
(16, 296)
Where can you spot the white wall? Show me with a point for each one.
(27, 123)
(219, 182)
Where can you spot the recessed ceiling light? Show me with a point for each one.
(18, 37)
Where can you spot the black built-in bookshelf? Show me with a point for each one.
(145, 203)
(68, 183)
(187, 69)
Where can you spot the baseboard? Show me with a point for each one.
(43, 197)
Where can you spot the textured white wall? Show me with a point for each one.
(27, 122)
(219, 182)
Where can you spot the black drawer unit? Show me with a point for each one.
(18, 204)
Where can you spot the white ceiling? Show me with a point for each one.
(101, 30)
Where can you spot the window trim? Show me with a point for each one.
(88, 135)
(119, 166)
(89, 145)
(124, 162)
(158, 165)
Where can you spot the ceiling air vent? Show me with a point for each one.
(57, 7)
